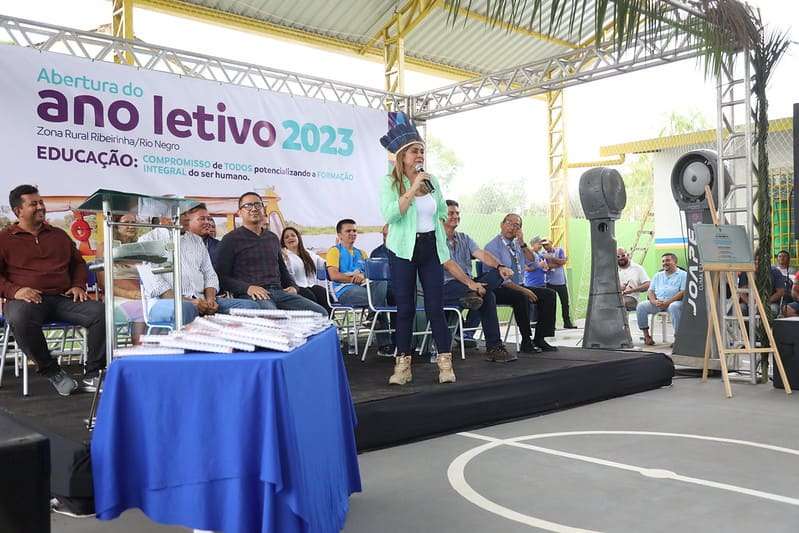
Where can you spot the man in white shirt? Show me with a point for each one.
(199, 282)
(200, 222)
(632, 279)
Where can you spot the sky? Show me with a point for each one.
(499, 143)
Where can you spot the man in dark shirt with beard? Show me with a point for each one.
(43, 278)
(249, 263)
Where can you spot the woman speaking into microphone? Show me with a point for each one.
(413, 207)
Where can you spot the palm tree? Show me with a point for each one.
(719, 28)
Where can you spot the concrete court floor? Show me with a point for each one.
(590, 482)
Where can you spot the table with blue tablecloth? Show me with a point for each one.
(240, 443)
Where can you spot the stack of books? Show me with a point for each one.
(243, 330)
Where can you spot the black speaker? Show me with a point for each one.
(24, 479)
(786, 333)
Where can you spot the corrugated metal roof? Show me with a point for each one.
(681, 140)
(469, 44)
(351, 20)
(474, 46)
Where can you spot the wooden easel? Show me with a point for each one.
(714, 327)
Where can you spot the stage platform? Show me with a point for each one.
(485, 393)
(488, 393)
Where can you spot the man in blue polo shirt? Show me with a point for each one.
(665, 294)
(462, 249)
(511, 251)
(535, 270)
(556, 278)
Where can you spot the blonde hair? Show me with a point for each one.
(399, 170)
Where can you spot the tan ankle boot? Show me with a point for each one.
(445, 373)
(402, 371)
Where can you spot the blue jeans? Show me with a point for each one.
(280, 299)
(163, 312)
(356, 297)
(454, 290)
(644, 309)
(226, 304)
(426, 264)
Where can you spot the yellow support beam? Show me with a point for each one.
(557, 165)
(122, 26)
(394, 63)
(392, 35)
(401, 23)
(191, 11)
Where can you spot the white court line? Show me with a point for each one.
(654, 473)
(457, 478)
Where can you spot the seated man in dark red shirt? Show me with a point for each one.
(43, 278)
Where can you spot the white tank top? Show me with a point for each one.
(425, 213)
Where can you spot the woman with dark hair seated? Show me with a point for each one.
(303, 266)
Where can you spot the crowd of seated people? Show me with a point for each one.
(199, 281)
(250, 267)
(664, 293)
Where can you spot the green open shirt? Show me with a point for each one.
(402, 227)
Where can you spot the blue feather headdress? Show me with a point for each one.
(402, 134)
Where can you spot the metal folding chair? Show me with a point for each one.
(169, 326)
(78, 335)
(378, 270)
(512, 320)
(350, 313)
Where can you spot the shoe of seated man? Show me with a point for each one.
(387, 350)
(544, 346)
(63, 382)
(90, 384)
(528, 346)
(499, 354)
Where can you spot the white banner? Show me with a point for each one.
(72, 126)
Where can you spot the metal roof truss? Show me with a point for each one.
(579, 66)
(102, 47)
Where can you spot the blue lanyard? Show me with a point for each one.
(513, 258)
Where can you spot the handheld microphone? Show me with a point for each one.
(429, 184)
